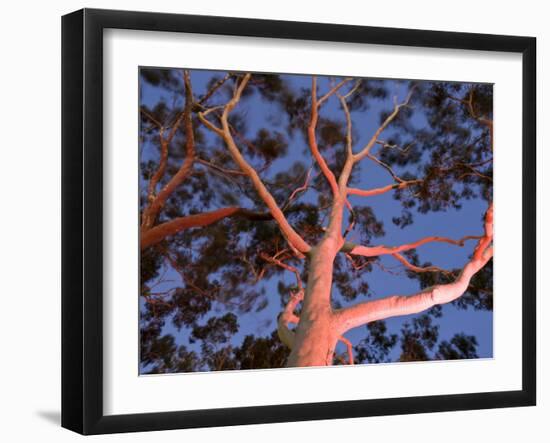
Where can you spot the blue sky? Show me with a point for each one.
(451, 223)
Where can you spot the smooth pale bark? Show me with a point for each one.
(287, 317)
(398, 305)
(317, 333)
(319, 327)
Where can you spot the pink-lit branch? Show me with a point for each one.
(349, 347)
(415, 268)
(159, 232)
(298, 189)
(286, 317)
(157, 202)
(312, 139)
(332, 91)
(374, 251)
(286, 266)
(349, 140)
(365, 151)
(299, 245)
(398, 305)
(383, 189)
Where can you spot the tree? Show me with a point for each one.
(225, 212)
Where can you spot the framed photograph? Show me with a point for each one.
(270, 221)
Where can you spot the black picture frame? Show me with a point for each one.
(82, 218)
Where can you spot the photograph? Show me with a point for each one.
(291, 220)
(255, 222)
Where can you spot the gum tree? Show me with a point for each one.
(214, 214)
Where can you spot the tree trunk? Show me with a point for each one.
(316, 333)
(314, 344)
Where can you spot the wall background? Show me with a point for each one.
(30, 170)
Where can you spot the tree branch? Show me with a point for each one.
(159, 173)
(349, 140)
(220, 169)
(151, 212)
(374, 251)
(386, 145)
(364, 152)
(415, 268)
(332, 91)
(349, 347)
(298, 190)
(286, 266)
(158, 233)
(286, 317)
(294, 239)
(383, 189)
(393, 306)
(340, 190)
(312, 139)
(150, 117)
(214, 88)
(385, 166)
(481, 119)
